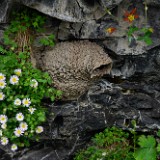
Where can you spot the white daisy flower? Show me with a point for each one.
(14, 147)
(2, 96)
(18, 72)
(31, 110)
(34, 83)
(2, 77)
(3, 118)
(1, 133)
(26, 102)
(14, 79)
(18, 132)
(17, 102)
(19, 117)
(4, 126)
(39, 129)
(23, 126)
(4, 141)
(2, 84)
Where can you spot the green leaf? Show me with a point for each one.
(35, 24)
(148, 141)
(147, 150)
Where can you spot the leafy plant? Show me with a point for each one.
(47, 41)
(22, 28)
(22, 87)
(147, 150)
(112, 144)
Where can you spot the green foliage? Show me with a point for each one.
(112, 144)
(131, 32)
(147, 150)
(48, 41)
(146, 36)
(26, 22)
(31, 84)
(115, 144)
(22, 87)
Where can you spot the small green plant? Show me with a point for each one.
(22, 30)
(22, 87)
(115, 144)
(147, 149)
(112, 144)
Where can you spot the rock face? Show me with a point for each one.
(72, 11)
(131, 92)
(74, 66)
(84, 19)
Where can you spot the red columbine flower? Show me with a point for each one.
(130, 16)
(110, 30)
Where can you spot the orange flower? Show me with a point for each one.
(110, 30)
(130, 16)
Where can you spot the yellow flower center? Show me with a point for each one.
(1, 83)
(18, 73)
(2, 118)
(1, 96)
(109, 30)
(23, 126)
(1, 77)
(18, 131)
(26, 102)
(39, 130)
(14, 79)
(131, 17)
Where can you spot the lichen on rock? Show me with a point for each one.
(74, 66)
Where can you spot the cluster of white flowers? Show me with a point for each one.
(23, 126)
(26, 102)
